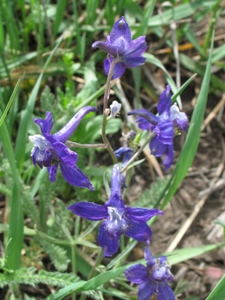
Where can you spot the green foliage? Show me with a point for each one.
(150, 196)
(32, 277)
(49, 103)
(57, 254)
(50, 41)
(29, 206)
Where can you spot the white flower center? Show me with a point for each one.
(40, 142)
(116, 223)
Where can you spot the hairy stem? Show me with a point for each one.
(105, 106)
(150, 136)
(107, 85)
(74, 144)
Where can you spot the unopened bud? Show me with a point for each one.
(115, 108)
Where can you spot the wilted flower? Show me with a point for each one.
(117, 218)
(169, 120)
(50, 150)
(119, 45)
(153, 278)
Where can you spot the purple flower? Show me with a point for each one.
(119, 45)
(153, 278)
(117, 218)
(168, 121)
(50, 150)
(126, 154)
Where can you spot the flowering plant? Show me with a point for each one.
(80, 197)
(118, 218)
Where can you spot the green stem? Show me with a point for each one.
(98, 261)
(73, 261)
(87, 146)
(93, 270)
(73, 252)
(107, 86)
(106, 141)
(105, 107)
(137, 153)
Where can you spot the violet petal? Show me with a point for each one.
(168, 160)
(74, 176)
(142, 214)
(164, 103)
(52, 172)
(108, 242)
(146, 290)
(115, 181)
(63, 134)
(157, 148)
(118, 71)
(133, 62)
(179, 119)
(137, 274)
(90, 211)
(120, 29)
(45, 124)
(65, 154)
(165, 292)
(165, 132)
(144, 113)
(138, 230)
(137, 47)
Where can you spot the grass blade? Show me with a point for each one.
(60, 9)
(23, 128)
(218, 291)
(92, 284)
(11, 100)
(155, 61)
(15, 235)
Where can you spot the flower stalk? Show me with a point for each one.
(105, 106)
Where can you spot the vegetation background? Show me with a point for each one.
(47, 63)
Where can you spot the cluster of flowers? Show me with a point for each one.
(51, 151)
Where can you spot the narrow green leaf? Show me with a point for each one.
(155, 61)
(180, 255)
(15, 235)
(142, 29)
(195, 67)
(182, 88)
(60, 294)
(11, 100)
(179, 12)
(100, 279)
(10, 23)
(92, 284)
(60, 9)
(26, 118)
(218, 291)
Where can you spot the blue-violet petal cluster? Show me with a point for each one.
(168, 121)
(153, 279)
(117, 218)
(50, 150)
(119, 45)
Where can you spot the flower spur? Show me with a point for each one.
(51, 151)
